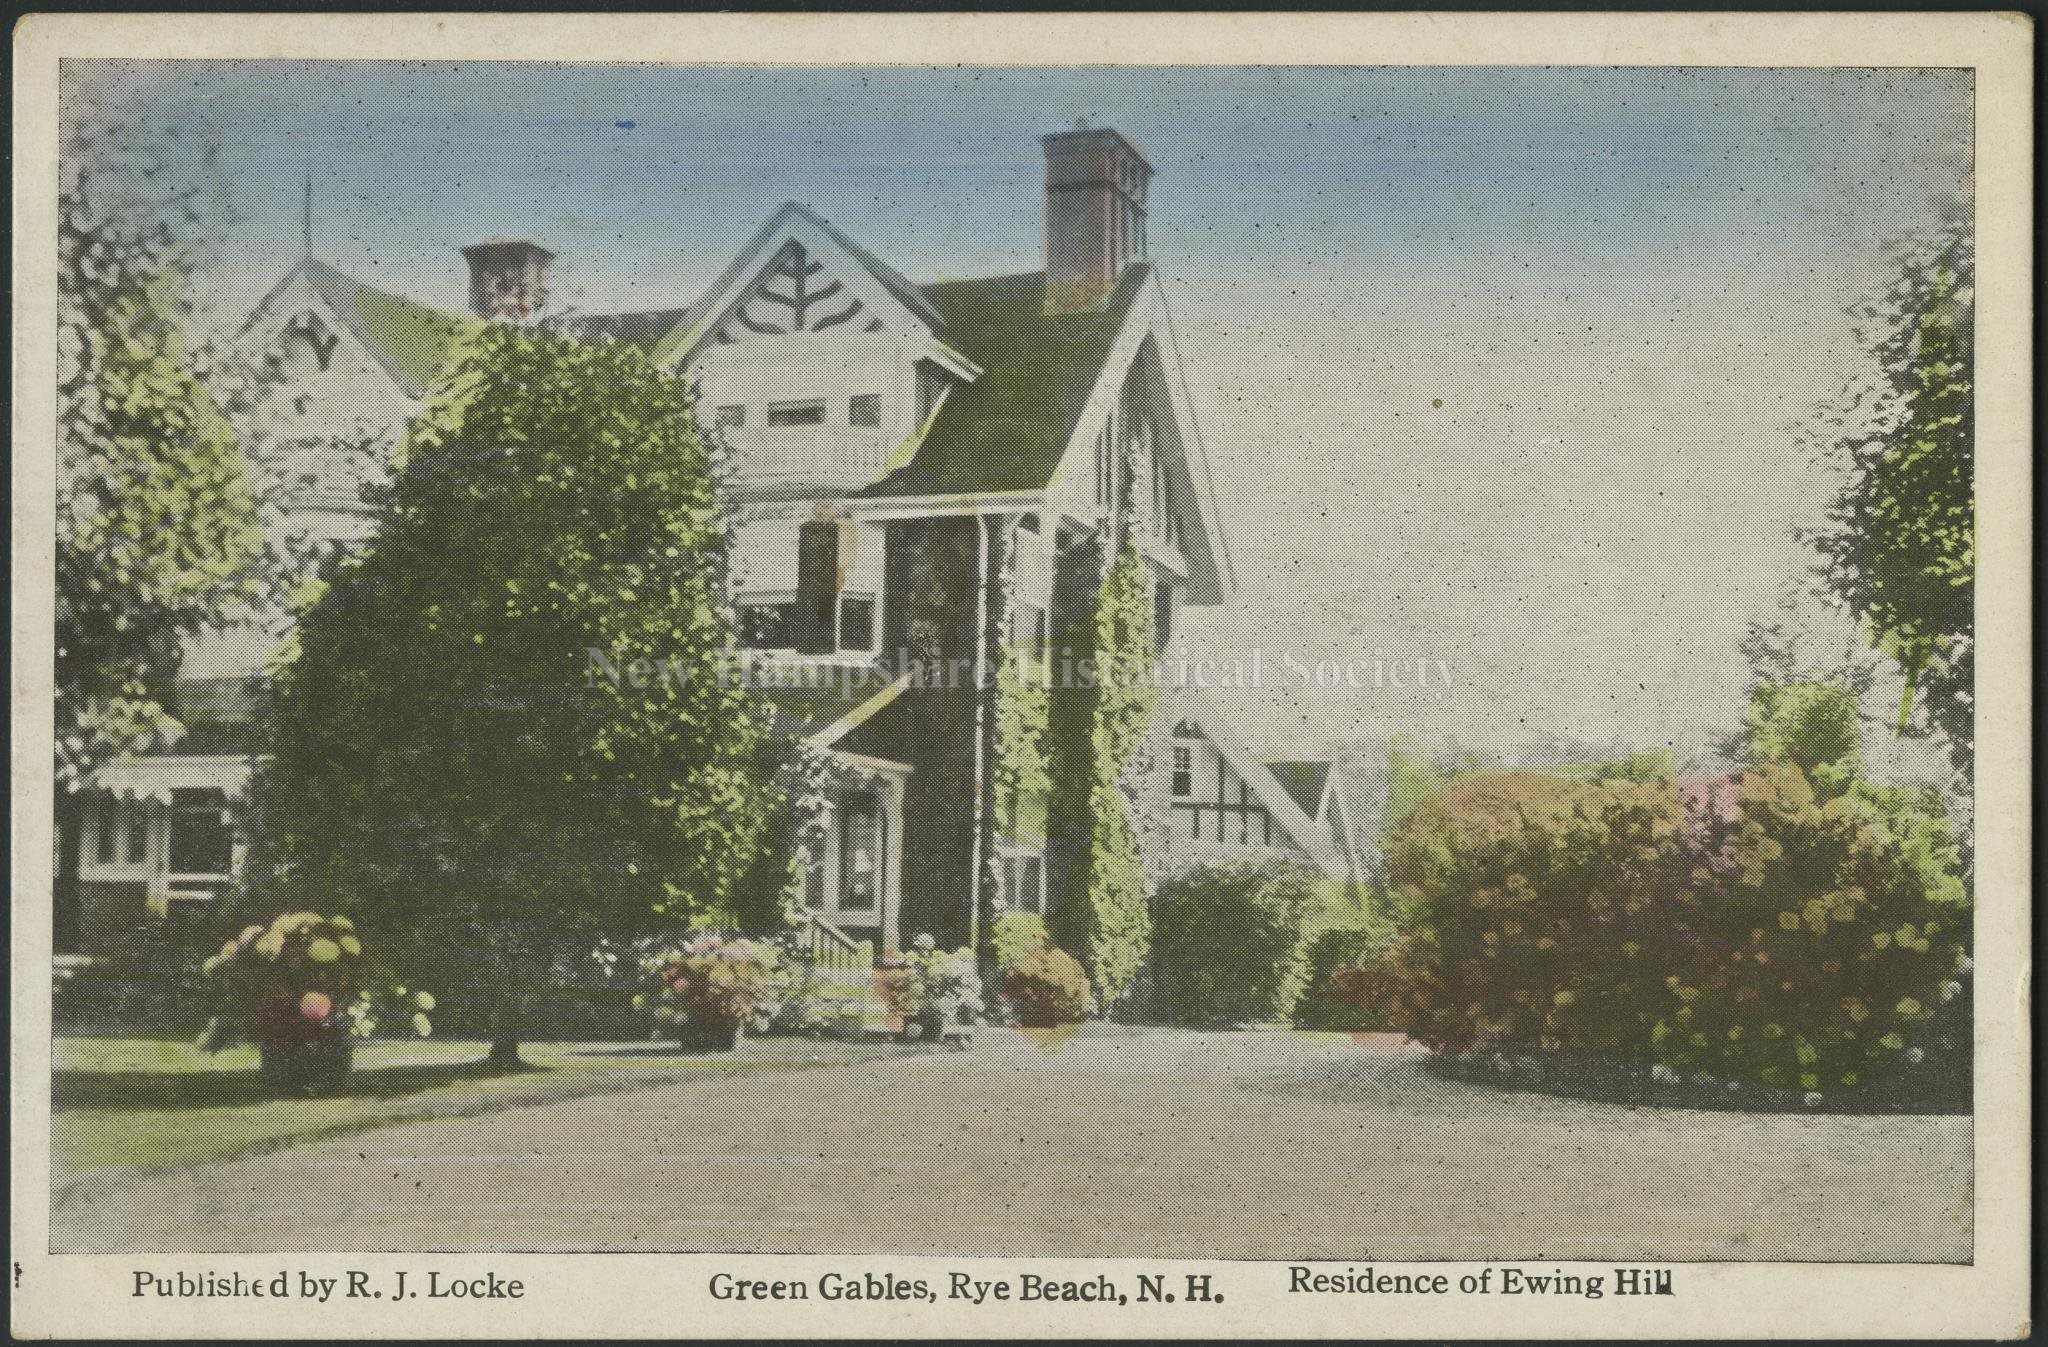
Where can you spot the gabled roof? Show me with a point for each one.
(1304, 781)
(1007, 430)
(412, 341)
(693, 325)
(642, 329)
(1185, 702)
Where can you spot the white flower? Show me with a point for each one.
(1915, 1055)
(1663, 1075)
(1966, 965)
(1951, 990)
(1812, 1098)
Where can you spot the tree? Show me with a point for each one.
(1900, 543)
(510, 728)
(157, 528)
(1812, 725)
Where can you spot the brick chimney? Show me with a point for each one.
(1095, 188)
(508, 278)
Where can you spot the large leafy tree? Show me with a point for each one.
(157, 528)
(507, 729)
(1900, 544)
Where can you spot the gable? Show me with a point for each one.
(800, 274)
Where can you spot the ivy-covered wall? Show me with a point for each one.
(1098, 723)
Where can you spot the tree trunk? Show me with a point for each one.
(505, 1052)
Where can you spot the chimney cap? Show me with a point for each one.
(1086, 134)
(498, 243)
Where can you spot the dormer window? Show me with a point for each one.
(864, 409)
(810, 412)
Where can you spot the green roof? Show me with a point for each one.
(1007, 430)
(412, 341)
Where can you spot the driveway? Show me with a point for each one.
(1110, 1142)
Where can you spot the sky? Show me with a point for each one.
(1496, 368)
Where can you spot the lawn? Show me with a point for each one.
(135, 1102)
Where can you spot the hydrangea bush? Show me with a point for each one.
(1739, 927)
(713, 988)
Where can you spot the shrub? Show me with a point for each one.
(712, 985)
(1048, 987)
(1737, 927)
(1016, 934)
(1232, 940)
(1348, 946)
(1822, 935)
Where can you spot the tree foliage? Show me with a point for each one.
(1102, 914)
(157, 528)
(1900, 543)
(508, 727)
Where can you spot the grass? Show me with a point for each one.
(123, 1103)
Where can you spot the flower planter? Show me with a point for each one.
(710, 1037)
(308, 1064)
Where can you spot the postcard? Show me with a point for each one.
(1021, 676)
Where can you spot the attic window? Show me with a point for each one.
(810, 412)
(864, 409)
(731, 417)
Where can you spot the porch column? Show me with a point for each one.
(892, 860)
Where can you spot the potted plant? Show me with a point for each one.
(295, 988)
(934, 993)
(709, 992)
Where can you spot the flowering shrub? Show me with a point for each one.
(1821, 935)
(300, 977)
(924, 981)
(1737, 927)
(713, 984)
(1047, 987)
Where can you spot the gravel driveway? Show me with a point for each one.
(1111, 1142)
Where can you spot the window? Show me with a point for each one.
(1183, 771)
(138, 833)
(103, 844)
(864, 409)
(856, 622)
(731, 417)
(808, 413)
(200, 841)
(766, 626)
(860, 854)
(1023, 879)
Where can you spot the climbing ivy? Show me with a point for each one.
(1096, 725)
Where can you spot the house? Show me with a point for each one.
(923, 476)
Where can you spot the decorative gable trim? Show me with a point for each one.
(800, 274)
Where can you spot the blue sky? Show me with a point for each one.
(1621, 285)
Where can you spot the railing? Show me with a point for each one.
(829, 947)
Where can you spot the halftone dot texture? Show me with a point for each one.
(1494, 368)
